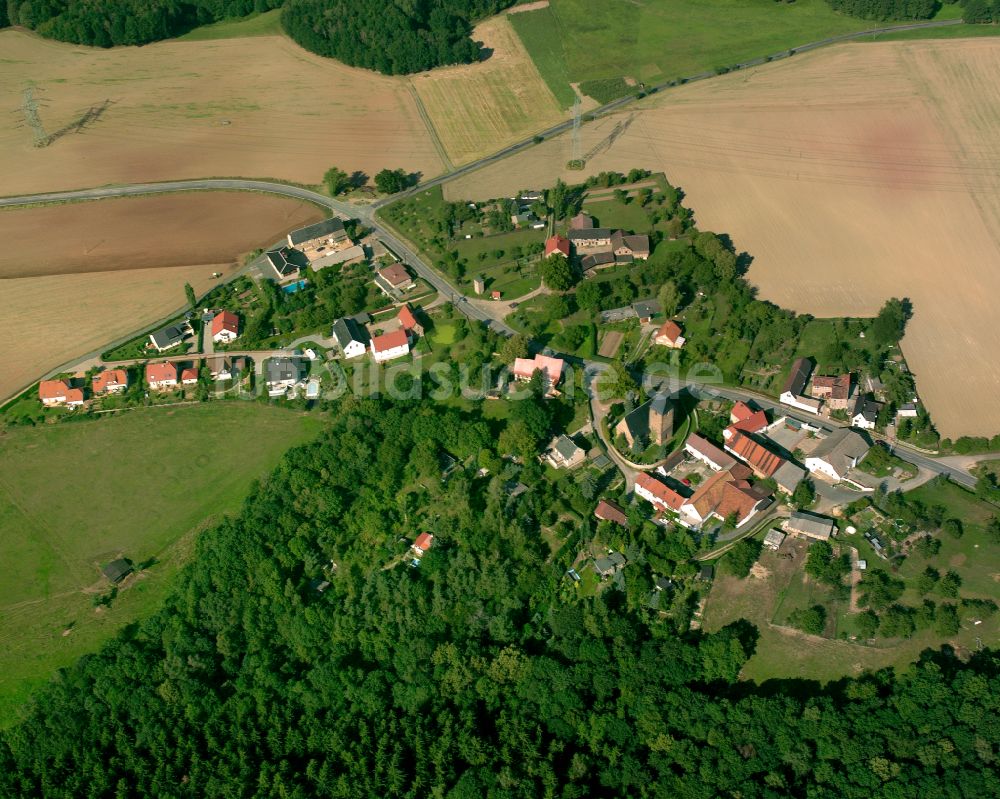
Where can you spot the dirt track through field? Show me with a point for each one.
(850, 175)
(262, 107)
(144, 232)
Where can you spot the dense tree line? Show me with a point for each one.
(887, 9)
(105, 23)
(391, 37)
(469, 676)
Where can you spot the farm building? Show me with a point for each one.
(629, 246)
(704, 450)
(724, 496)
(774, 539)
(117, 570)
(810, 525)
(342, 257)
(388, 346)
(318, 236)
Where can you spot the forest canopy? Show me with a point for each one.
(301, 655)
(394, 37)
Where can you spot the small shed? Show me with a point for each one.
(118, 570)
(774, 539)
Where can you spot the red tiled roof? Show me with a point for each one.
(838, 386)
(406, 318)
(52, 389)
(552, 367)
(555, 244)
(396, 275)
(158, 372)
(110, 377)
(670, 329)
(224, 320)
(761, 460)
(740, 412)
(723, 494)
(610, 511)
(74, 395)
(666, 495)
(424, 541)
(191, 373)
(390, 340)
(754, 423)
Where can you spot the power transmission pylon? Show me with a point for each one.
(29, 107)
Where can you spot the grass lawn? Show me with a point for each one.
(443, 333)
(652, 42)
(266, 24)
(75, 495)
(631, 218)
(953, 32)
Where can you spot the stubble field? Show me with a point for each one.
(259, 107)
(75, 277)
(850, 175)
(480, 108)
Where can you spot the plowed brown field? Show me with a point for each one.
(852, 174)
(75, 277)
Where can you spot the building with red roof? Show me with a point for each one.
(722, 496)
(744, 420)
(758, 457)
(409, 322)
(424, 542)
(225, 327)
(669, 335)
(551, 368)
(189, 375)
(661, 496)
(609, 511)
(557, 245)
(53, 392)
(394, 344)
(110, 381)
(161, 376)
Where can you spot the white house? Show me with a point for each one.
(865, 413)
(161, 376)
(793, 392)
(837, 454)
(225, 327)
(284, 374)
(394, 344)
(349, 338)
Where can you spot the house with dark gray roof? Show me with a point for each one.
(283, 374)
(609, 565)
(117, 570)
(349, 337)
(865, 413)
(837, 454)
(166, 338)
(794, 391)
(646, 309)
(810, 525)
(563, 453)
(285, 262)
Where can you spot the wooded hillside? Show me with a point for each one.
(468, 676)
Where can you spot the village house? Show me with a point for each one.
(166, 338)
(609, 511)
(835, 391)
(586, 238)
(343, 257)
(908, 410)
(865, 413)
(744, 419)
(350, 338)
(423, 543)
(669, 335)
(764, 463)
(318, 237)
(59, 392)
(189, 375)
(285, 262)
(161, 376)
(394, 279)
(652, 422)
(792, 393)
(658, 494)
(837, 454)
(810, 525)
(563, 453)
(557, 245)
(225, 327)
(110, 381)
(283, 375)
(645, 310)
(408, 321)
(725, 496)
(612, 564)
(394, 344)
(225, 368)
(705, 451)
(551, 369)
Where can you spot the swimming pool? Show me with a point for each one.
(291, 288)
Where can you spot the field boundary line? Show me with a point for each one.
(425, 117)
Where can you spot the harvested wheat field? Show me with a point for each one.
(477, 109)
(260, 107)
(75, 277)
(144, 232)
(851, 174)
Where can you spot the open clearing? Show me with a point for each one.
(187, 109)
(164, 474)
(68, 306)
(845, 189)
(479, 108)
(144, 232)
